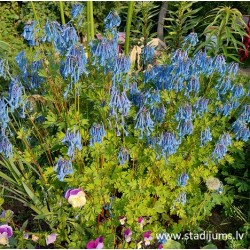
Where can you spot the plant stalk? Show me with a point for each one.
(62, 12)
(128, 25)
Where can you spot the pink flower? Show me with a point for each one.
(76, 197)
(122, 220)
(127, 235)
(51, 239)
(96, 244)
(141, 221)
(147, 238)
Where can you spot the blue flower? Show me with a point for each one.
(123, 156)
(4, 114)
(221, 146)
(148, 53)
(97, 132)
(35, 80)
(22, 63)
(168, 144)
(15, 98)
(241, 130)
(112, 21)
(201, 106)
(219, 64)
(144, 122)
(184, 113)
(206, 136)
(73, 139)
(193, 85)
(185, 128)
(75, 64)
(182, 180)
(5, 145)
(182, 198)
(29, 33)
(158, 113)
(246, 113)
(76, 10)
(223, 85)
(191, 39)
(63, 168)
(238, 91)
(233, 68)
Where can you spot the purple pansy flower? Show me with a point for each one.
(122, 219)
(141, 221)
(51, 239)
(127, 235)
(147, 238)
(96, 244)
(76, 197)
(5, 233)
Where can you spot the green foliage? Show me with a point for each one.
(181, 21)
(225, 32)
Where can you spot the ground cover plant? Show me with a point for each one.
(106, 154)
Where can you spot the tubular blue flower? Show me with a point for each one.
(185, 128)
(241, 130)
(233, 68)
(76, 10)
(4, 114)
(206, 136)
(168, 144)
(119, 103)
(182, 198)
(73, 139)
(4, 68)
(15, 98)
(29, 33)
(112, 21)
(22, 63)
(193, 85)
(219, 64)
(36, 80)
(152, 97)
(182, 180)
(221, 146)
(226, 109)
(148, 53)
(5, 146)
(75, 64)
(184, 113)
(237, 91)
(121, 66)
(246, 113)
(201, 106)
(223, 85)
(63, 36)
(158, 113)
(97, 132)
(144, 122)
(62, 168)
(191, 39)
(136, 96)
(123, 156)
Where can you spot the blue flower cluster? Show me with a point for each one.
(75, 65)
(182, 181)
(206, 136)
(112, 21)
(29, 33)
(144, 122)
(240, 127)
(73, 140)
(63, 36)
(97, 132)
(221, 146)
(123, 156)
(168, 144)
(5, 145)
(76, 10)
(62, 168)
(148, 53)
(201, 106)
(119, 103)
(4, 114)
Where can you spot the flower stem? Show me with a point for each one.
(62, 12)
